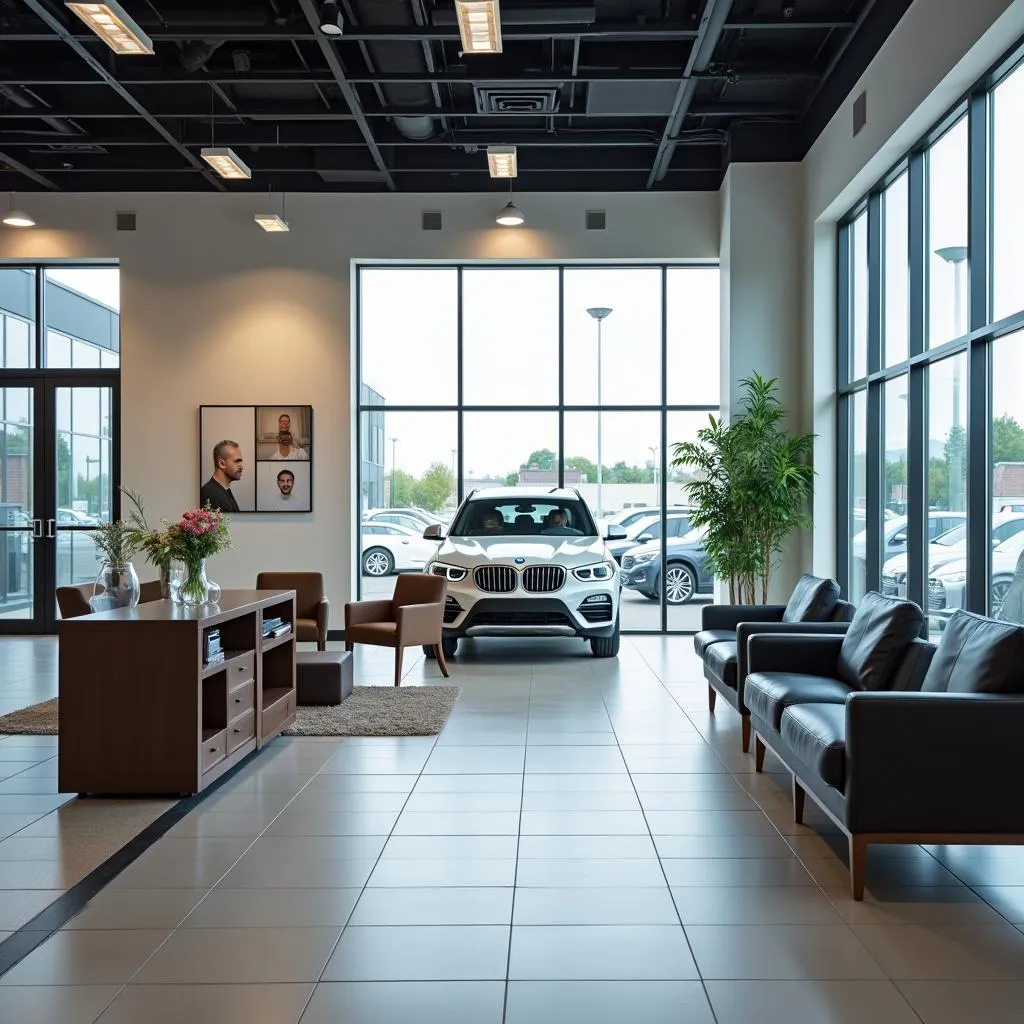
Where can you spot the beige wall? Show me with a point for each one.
(214, 311)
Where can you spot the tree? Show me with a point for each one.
(1007, 440)
(511, 479)
(544, 458)
(584, 465)
(434, 488)
(402, 486)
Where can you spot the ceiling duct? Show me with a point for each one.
(196, 52)
(23, 98)
(399, 56)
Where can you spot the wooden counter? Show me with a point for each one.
(139, 711)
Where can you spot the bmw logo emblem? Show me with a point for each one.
(519, 561)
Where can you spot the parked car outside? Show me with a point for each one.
(388, 548)
(411, 511)
(648, 528)
(947, 547)
(403, 518)
(687, 574)
(946, 585)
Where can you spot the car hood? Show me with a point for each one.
(675, 545)
(938, 556)
(567, 551)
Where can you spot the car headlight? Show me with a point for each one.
(601, 571)
(954, 577)
(642, 559)
(452, 573)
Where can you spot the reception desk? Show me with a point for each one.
(142, 713)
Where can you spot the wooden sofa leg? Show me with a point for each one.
(441, 663)
(858, 866)
(349, 645)
(745, 726)
(399, 651)
(798, 801)
(712, 697)
(759, 749)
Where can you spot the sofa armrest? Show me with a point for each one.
(784, 652)
(358, 612)
(729, 616)
(419, 623)
(745, 630)
(934, 762)
(323, 614)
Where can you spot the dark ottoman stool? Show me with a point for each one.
(323, 677)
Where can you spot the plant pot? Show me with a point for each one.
(117, 586)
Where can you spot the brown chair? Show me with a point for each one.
(412, 618)
(311, 607)
(74, 601)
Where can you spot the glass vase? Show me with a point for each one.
(170, 580)
(194, 588)
(116, 586)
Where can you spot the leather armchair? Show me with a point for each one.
(412, 618)
(312, 609)
(73, 601)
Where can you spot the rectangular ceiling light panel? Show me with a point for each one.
(111, 23)
(271, 222)
(479, 25)
(501, 161)
(225, 162)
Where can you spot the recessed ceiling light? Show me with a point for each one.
(479, 25)
(510, 216)
(502, 162)
(271, 222)
(111, 23)
(331, 21)
(225, 162)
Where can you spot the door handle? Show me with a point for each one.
(51, 528)
(37, 529)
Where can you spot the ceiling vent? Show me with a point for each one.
(596, 220)
(432, 220)
(860, 112)
(512, 99)
(126, 222)
(71, 148)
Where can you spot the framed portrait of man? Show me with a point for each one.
(256, 458)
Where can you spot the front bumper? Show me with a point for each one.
(532, 616)
(642, 576)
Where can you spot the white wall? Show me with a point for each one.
(214, 311)
(936, 52)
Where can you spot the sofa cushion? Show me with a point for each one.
(706, 637)
(977, 655)
(877, 640)
(720, 659)
(816, 733)
(812, 600)
(768, 694)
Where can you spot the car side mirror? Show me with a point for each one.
(615, 533)
(644, 538)
(899, 538)
(434, 532)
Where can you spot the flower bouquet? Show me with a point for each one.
(199, 534)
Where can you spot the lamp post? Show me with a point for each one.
(957, 255)
(654, 465)
(394, 466)
(90, 460)
(599, 313)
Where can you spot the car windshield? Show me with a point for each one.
(695, 536)
(524, 517)
(952, 537)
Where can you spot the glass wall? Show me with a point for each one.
(931, 383)
(575, 376)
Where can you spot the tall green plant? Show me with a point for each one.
(753, 482)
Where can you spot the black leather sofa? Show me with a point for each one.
(813, 607)
(896, 740)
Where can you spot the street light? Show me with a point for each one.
(394, 466)
(90, 461)
(654, 465)
(957, 255)
(599, 313)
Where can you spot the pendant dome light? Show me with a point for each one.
(18, 218)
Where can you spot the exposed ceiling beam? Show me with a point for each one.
(712, 24)
(6, 160)
(44, 14)
(347, 90)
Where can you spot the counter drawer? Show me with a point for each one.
(241, 731)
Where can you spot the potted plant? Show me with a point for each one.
(117, 585)
(199, 534)
(157, 544)
(753, 481)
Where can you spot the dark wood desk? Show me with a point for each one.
(140, 712)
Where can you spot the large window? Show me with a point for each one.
(932, 459)
(576, 376)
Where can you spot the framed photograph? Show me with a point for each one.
(256, 458)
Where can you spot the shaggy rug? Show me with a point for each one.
(37, 720)
(380, 711)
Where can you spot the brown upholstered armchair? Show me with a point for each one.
(412, 618)
(74, 601)
(311, 607)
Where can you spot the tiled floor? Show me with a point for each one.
(583, 842)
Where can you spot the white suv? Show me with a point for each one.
(527, 563)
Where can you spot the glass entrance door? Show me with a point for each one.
(57, 473)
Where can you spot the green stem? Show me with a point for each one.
(192, 586)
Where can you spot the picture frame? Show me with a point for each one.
(275, 445)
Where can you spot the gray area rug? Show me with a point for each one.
(37, 720)
(380, 711)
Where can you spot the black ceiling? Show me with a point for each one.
(620, 94)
